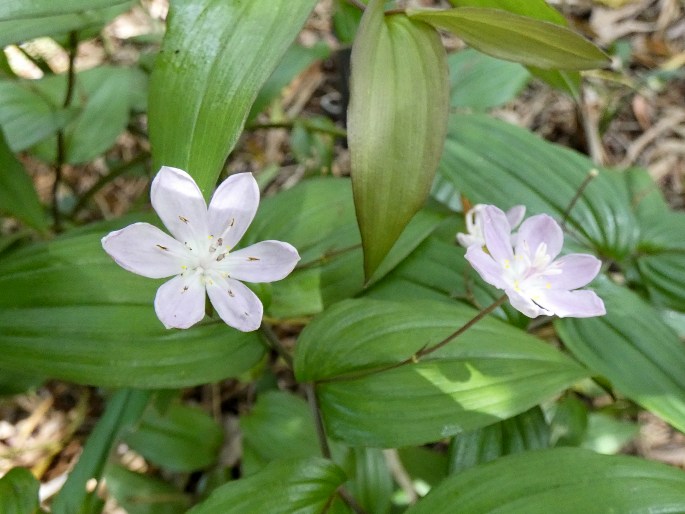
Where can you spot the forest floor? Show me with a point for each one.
(633, 115)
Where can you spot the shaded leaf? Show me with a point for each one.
(19, 492)
(143, 494)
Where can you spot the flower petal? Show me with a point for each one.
(486, 267)
(180, 302)
(536, 230)
(526, 305)
(233, 208)
(515, 215)
(180, 205)
(237, 305)
(577, 270)
(575, 304)
(497, 234)
(266, 261)
(145, 250)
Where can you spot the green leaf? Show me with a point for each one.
(481, 82)
(521, 168)
(181, 438)
(527, 431)
(492, 372)
(69, 311)
(633, 348)
(17, 195)
(19, 492)
(372, 484)
(608, 435)
(304, 486)
(569, 423)
(124, 408)
(396, 124)
(564, 481)
(22, 20)
(26, 116)
(143, 494)
(103, 99)
(517, 38)
(279, 426)
(215, 59)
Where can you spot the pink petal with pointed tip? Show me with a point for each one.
(540, 229)
(487, 268)
(577, 270)
(180, 205)
(574, 304)
(144, 249)
(266, 261)
(233, 208)
(235, 303)
(497, 234)
(180, 302)
(515, 215)
(525, 304)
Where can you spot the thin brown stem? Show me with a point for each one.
(350, 501)
(581, 189)
(274, 343)
(61, 146)
(426, 350)
(359, 5)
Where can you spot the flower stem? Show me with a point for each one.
(61, 145)
(318, 420)
(426, 350)
(357, 4)
(274, 343)
(591, 174)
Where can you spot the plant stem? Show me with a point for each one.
(357, 4)
(275, 344)
(318, 420)
(61, 148)
(581, 189)
(312, 127)
(426, 350)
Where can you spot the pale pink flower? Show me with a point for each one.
(200, 254)
(474, 224)
(536, 282)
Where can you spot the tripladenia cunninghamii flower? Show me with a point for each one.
(527, 269)
(200, 254)
(474, 224)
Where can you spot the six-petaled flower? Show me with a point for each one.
(200, 255)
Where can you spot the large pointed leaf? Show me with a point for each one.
(17, 194)
(521, 168)
(563, 481)
(216, 56)
(21, 20)
(19, 492)
(633, 348)
(396, 124)
(517, 38)
(304, 486)
(67, 310)
(492, 372)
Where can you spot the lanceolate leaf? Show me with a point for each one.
(396, 124)
(633, 348)
(517, 38)
(304, 486)
(216, 56)
(563, 481)
(492, 372)
(67, 310)
(17, 194)
(19, 492)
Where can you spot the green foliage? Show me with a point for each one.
(19, 492)
(396, 122)
(215, 60)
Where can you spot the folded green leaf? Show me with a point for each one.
(634, 349)
(492, 372)
(564, 481)
(396, 124)
(517, 38)
(304, 486)
(216, 56)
